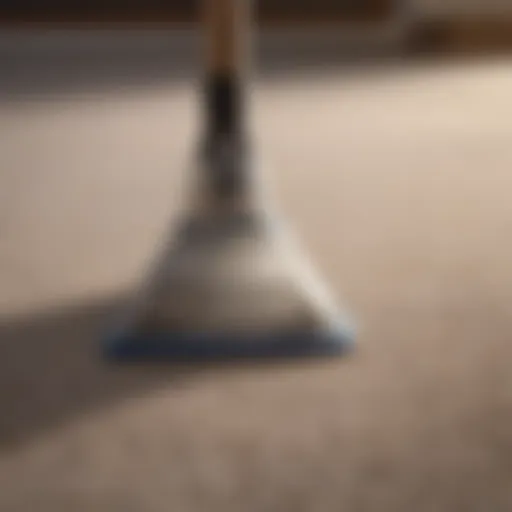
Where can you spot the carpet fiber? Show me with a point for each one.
(398, 180)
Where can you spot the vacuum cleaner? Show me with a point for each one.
(232, 281)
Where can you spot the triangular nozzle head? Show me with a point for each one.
(231, 289)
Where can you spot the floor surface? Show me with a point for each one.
(397, 177)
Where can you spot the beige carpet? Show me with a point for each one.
(398, 179)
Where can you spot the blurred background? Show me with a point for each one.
(385, 126)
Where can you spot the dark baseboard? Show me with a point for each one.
(186, 12)
(467, 36)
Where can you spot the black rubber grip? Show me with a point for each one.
(224, 105)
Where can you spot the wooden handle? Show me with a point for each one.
(226, 25)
